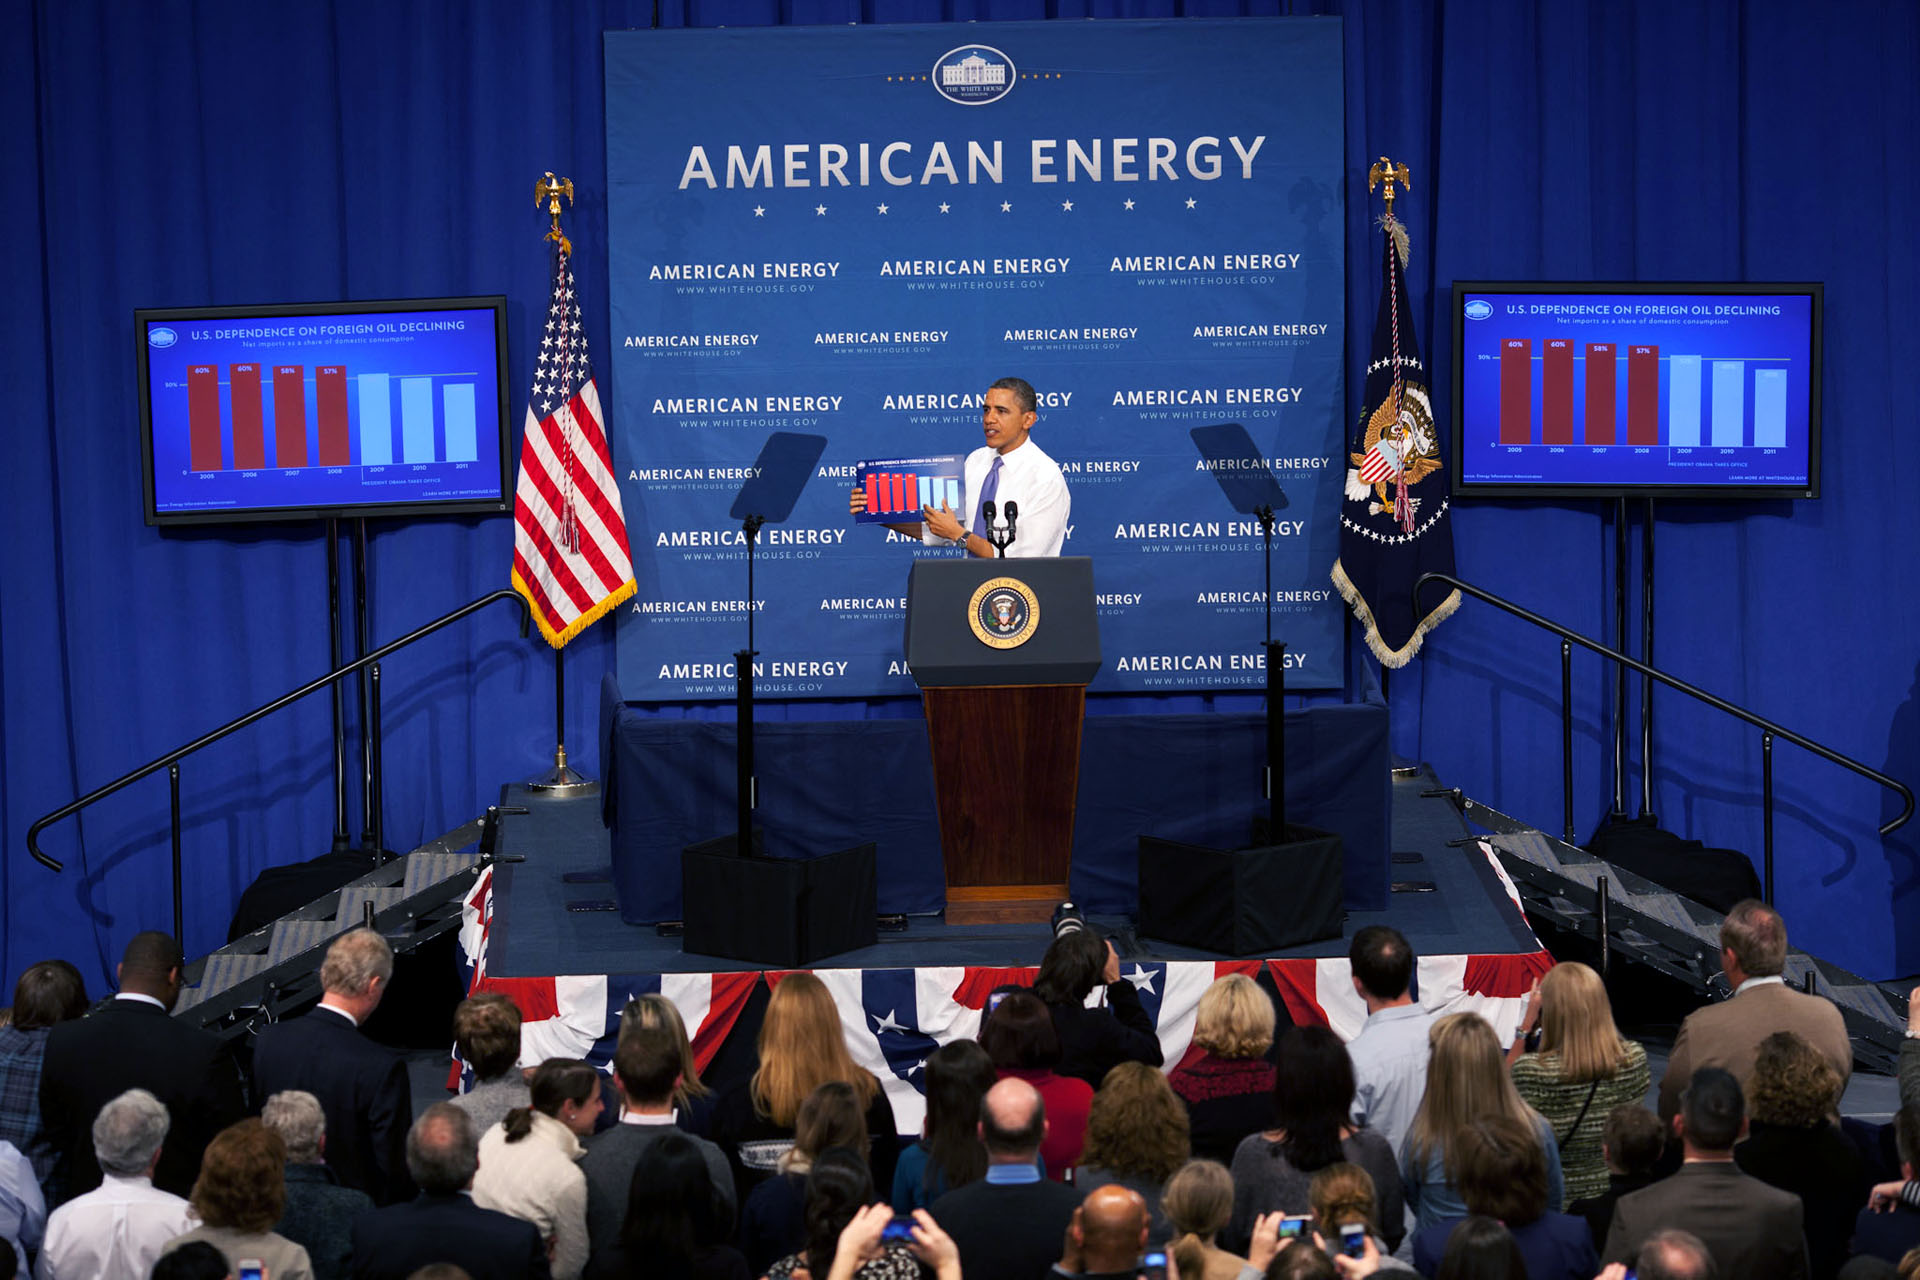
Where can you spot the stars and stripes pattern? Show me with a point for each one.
(570, 556)
(1382, 461)
(893, 1019)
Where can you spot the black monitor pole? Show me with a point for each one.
(1276, 658)
(747, 796)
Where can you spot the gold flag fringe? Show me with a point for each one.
(1371, 630)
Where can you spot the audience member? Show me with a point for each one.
(1501, 1173)
(1390, 1053)
(117, 1230)
(319, 1213)
(838, 1188)
(442, 1224)
(800, 1048)
(131, 1043)
(1467, 1082)
(1793, 1144)
(1198, 1202)
(47, 993)
(647, 1070)
(1753, 1231)
(774, 1220)
(361, 1085)
(1753, 952)
(1343, 1194)
(693, 1101)
(239, 1196)
(530, 1162)
(486, 1032)
(1583, 1070)
(949, 1153)
(1631, 1142)
(1303, 1259)
(194, 1260)
(1136, 1138)
(1312, 1108)
(1891, 1234)
(1008, 1225)
(860, 1242)
(1093, 1041)
(1674, 1254)
(1481, 1248)
(1228, 1089)
(1106, 1235)
(672, 1229)
(1018, 1035)
(23, 1210)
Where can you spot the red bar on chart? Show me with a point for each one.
(249, 438)
(873, 491)
(1600, 392)
(913, 493)
(1556, 391)
(1643, 395)
(289, 416)
(203, 417)
(899, 493)
(330, 406)
(1516, 391)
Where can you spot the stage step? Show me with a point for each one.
(1654, 926)
(415, 897)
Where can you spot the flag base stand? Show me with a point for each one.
(561, 782)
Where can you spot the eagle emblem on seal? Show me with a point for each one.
(1395, 447)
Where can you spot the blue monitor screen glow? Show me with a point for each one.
(317, 410)
(1604, 390)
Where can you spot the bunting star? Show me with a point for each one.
(883, 1025)
(1141, 979)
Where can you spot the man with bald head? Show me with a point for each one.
(1106, 1236)
(1009, 1224)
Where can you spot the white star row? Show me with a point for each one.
(1006, 206)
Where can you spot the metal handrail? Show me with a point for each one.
(171, 760)
(1769, 729)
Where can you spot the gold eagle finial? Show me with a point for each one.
(1385, 170)
(550, 189)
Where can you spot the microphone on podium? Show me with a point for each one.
(990, 512)
(1013, 514)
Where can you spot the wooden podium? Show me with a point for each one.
(1003, 650)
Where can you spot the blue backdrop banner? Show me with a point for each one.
(853, 231)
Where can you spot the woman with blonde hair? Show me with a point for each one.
(693, 1101)
(1136, 1137)
(1467, 1083)
(1583, 1070)
(1228, 1089)
(1341, 1194)
(1198, 1202)
(800, 1047)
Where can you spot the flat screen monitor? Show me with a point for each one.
(1608, 390)
(324, 409)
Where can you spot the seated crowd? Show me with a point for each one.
(1054, 1144)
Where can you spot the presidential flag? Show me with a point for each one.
(570, 558)
(1393, 518)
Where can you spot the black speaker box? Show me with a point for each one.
(784, 913)
(1242, 902)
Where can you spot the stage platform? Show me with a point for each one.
(572, 971)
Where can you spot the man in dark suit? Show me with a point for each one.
(1009, 1225)
(1753, 1231)
(1890, 1233)
(361, 1085)
(443, 1224)
(131, 1043)
(1753, 952)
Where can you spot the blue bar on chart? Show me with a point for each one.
(463, 439)
(416, 420)
(1729, 404)
(1683, 401)
(376, 420)
(1770, 408)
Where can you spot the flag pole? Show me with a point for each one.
(562, 780)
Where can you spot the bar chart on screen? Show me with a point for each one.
(326, 416)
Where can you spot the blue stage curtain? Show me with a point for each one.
(187, 152)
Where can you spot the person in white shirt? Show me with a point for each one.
(529, 1162)
(1009, 468)
(1390, 1053)
(117, 1230)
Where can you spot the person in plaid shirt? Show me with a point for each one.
(49, 992)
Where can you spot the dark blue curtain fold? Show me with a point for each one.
(215, 151)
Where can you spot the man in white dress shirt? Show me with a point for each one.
(1009, 468)
(116, 1231)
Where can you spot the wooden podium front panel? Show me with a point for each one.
(1006, 769)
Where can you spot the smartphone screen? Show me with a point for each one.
(1353, 1240)
(250, 1269)
(898, 1229)
(1154, 1266)
(1292, 1226)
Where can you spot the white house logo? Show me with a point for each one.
(1478, 309)
(974, 75)
(161, 336)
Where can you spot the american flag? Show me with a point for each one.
(570, 557)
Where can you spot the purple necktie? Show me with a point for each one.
(987, 490)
